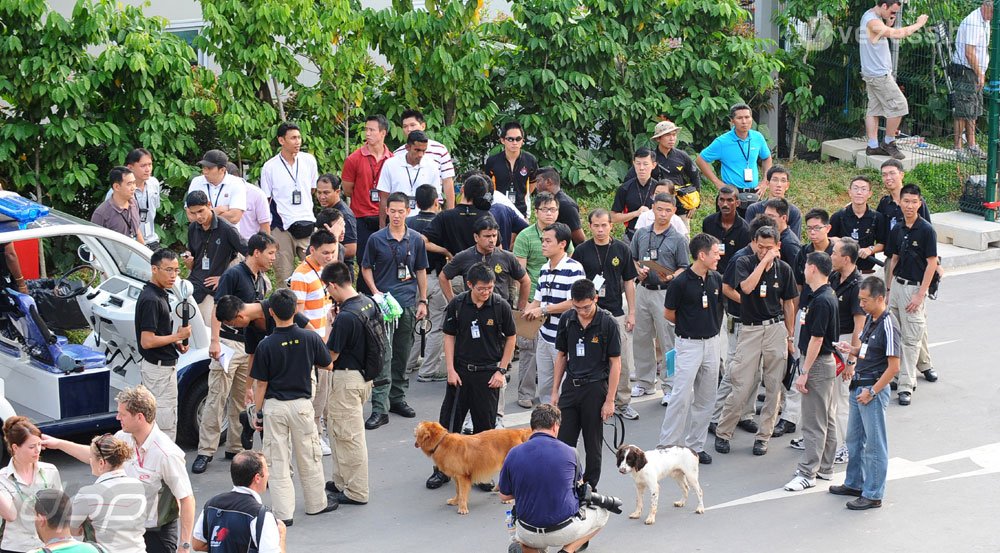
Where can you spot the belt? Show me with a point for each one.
(476, 368)
(346, 369)
(167, 363)
(232, 336)
(548, 529)
(655, 286)
(764, 323)
(859, 382)
(693, 338)
(868, 272)
(906, 282)
(584, 381)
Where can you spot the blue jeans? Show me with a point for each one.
(867, 445)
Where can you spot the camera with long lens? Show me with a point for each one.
(588, 496)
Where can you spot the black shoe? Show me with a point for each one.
(403, 410)
(230, 455)
(722, 445)
(759, 447)
(344, 500)
(876, 151)
(486, 486)
(704, 458)
(376, 420)
(844, 490)
(200, 464)
(862, 503)
(712, 426)
(246, 434)
(331, 487)
(331, 504)
(287, 523)
(891, 150)
(894, 385)
(930, 375)
(437, 480)
(783, 427)
(749, 425)
(904, 398)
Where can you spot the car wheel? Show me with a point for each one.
(190, 413)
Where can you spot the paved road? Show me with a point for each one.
(943, 493)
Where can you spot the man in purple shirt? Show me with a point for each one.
(257, 217)
(120, 213)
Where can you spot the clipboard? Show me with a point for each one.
(527, 329)
(654, 266)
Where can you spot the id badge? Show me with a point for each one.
(722, 248)
(296, 197)
(704, 301)
(581, 349)
(403, 272)
(599, 282)
(143, 215)
(763, 291)
(863, 351)
(512, 196)
(413, 203)
(204, 263)
(748, 175)
(475, 330)
(652, 255)
(373, 194)
(802, 316)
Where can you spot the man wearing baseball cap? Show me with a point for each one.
(672, 164)
(227, 193)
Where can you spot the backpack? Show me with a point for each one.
(375, 336)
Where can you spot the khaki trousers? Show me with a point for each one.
(289, 430)
(288, 248)
(912, 329)
(650, 325)
(696, 373)
(819, 432)
(206, 307)
(726, 385)
(226, 395)
(346, 426)
(756, 344)
(162, 383)
(623, 395)
(321, 394)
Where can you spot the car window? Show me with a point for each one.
(129, 262)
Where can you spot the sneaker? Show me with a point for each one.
(627, 412)
(976, 152)
(467, 425)
(876, 151)
(825, 476)
(800, 483)
(525, 403)
(499, 423)
(892, 150)
(665, 400)
(639, 391)
(324, 444)
(437, 377)
(842, 456)
(797, 443)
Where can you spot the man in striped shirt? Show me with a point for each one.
(314, 303)
(552, 298)
(413, 120)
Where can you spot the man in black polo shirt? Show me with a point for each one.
(694, 304)
(213, 243)
(912, 248)
(845, 281)
(777, 209)
(548, 180)
(329, 193)
(451, 231)
(589, 357)
(861, 223)
(348, 389)
(247, 281)
(159, 345)
(635, 196)
(820, 331)
(503, 264)
(512, 169)
(430, 369)
(672, 163)
(731, 230)
(607, 262)
(767, 310)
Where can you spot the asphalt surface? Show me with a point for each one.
(942, 494)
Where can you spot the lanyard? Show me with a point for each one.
(208, 187)
(374, 166)
(739, 144)
(414, 179)
(869, 330)
(395, 253)
(606, 254)
(20, 492)
(662, 238)
(295, 177)
(138, 456)
(128, 223)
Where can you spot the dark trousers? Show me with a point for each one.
(366, 227)
(474, 396)
(581, 413)
(162, 539)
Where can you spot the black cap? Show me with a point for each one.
(214, 158)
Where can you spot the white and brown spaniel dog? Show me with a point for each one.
(647, 468)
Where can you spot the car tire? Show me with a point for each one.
(189, 415)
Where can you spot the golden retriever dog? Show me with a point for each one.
(467, 459)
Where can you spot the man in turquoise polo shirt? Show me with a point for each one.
(739, 151)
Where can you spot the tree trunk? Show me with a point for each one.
(277, 98)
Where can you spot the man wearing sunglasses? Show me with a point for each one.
(512, 169)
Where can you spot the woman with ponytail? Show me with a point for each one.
(112, 511)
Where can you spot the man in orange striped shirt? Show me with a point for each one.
(314, 303)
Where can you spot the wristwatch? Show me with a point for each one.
(545, 311)
(185, 545)
(502, 371)
(422, 301)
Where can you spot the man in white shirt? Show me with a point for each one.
(405, 173)
(288, 179)
(413, 120)
(968, 72)
(238, 510)
(227, 193)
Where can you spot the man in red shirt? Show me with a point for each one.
(360, 177)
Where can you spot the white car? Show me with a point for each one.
(69, 389)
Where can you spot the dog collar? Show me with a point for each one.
(437, 445)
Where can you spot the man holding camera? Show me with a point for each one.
(542, 474)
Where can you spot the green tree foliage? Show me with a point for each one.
(590, 78)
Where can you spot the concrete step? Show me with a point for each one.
(966, 230)
(852, 150)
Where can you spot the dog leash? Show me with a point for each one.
(617, 422)
(454, 409)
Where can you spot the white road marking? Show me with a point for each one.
(935, 344)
